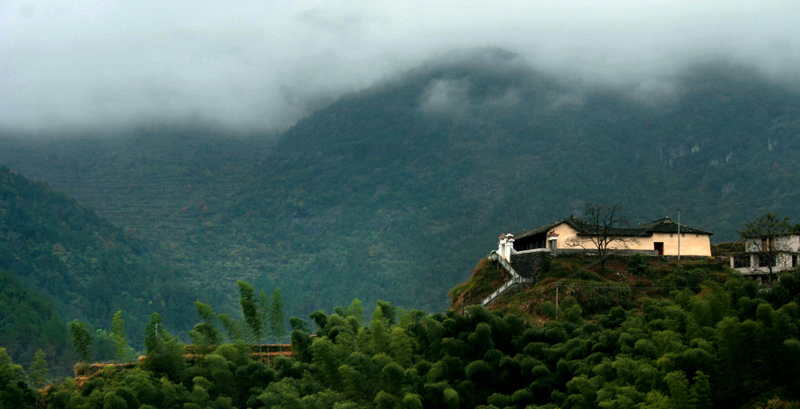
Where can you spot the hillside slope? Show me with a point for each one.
(393, 192)
(55, 250)
(398, 187)
(626, 282)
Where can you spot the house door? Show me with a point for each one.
(658, 246)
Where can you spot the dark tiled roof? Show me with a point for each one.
(583, 227)
(540, 229)
(588, 229)
(666, 225)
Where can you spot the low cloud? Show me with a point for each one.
(448, 97)
(89, 64)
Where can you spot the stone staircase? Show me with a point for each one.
(515, 280)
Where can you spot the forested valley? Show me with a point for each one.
(722, 343)
(60, 261)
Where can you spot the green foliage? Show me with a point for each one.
(275, 316)
(38, 373)
(122, 352)
(59, 255)
(29, 324)
(401, 347)
(549, 309)
(637, 264)
(164, 353)
(356, 311)
(299, 324)
(689, 350)
(485, 278)
(253, 315)
(14, 393)
(233, 328)
(205, 333)
(81, 340)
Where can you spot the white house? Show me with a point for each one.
(662, 237)
(522, 255)
(756, 260)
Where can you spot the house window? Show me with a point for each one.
(794, 260)
(739, 262)
(762, 261)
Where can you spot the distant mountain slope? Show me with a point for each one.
(163, 182)
(396, 191)
(157, 179)
(399, 188)
(29, 323)
(88, 268)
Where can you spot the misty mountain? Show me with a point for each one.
(420, 175)
(394, 192)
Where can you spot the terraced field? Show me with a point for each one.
(163, 186)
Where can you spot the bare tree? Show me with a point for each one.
(601, 230)
(767, 237)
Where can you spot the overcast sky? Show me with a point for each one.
(75, 64)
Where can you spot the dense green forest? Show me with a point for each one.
(720, 343)
(60, 261)
(394, 192)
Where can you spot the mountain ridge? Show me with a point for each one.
(393, 192)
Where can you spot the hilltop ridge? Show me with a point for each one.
(391, 191)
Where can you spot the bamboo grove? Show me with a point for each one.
(730, 344)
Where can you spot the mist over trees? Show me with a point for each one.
(384, 194)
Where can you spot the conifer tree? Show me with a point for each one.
(277, 321)
(122, 352)
(37, 374)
